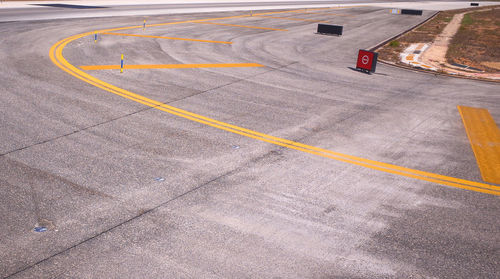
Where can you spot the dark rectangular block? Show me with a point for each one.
(474, 4)
(69, 6)
(330, 29)
(411, 12)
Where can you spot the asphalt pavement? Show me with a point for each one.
(128, 190)
(45, 10)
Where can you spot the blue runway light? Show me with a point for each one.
(121, 65)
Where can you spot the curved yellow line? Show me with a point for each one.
(59, 60)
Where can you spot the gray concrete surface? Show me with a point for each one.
(84, 162)
(45, 10)
(17, 11)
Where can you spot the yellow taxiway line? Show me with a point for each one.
(169, 66)
(244, 26)
(291, 18)
(333, 14)
(58, 59)
(484, 137)
(168, 38)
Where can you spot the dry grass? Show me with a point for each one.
(477, 41)
(425, 33)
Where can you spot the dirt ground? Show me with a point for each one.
(436, 54)
(425, 33)
(477, 44)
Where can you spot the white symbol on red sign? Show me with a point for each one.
(365, 59)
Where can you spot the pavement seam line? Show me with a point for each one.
(60, 61)
(156, 207)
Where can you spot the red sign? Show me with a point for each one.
(367, 60)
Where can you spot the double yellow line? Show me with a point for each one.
(59, 60)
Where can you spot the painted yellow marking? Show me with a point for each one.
(168, 38)
(169, 66)
(333, 14)
(484, 137)
(317, 9)
(281, 12)
(228, 17)
(58, 59)
(244, 26)
(292, 18)
(409, 57)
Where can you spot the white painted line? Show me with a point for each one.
(412, 54)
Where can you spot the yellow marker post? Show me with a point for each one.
(121, 65)
(144, 25)
(95, 37)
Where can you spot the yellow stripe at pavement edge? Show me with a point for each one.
(59, 60)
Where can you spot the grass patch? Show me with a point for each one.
(394, 44)
(467, 20)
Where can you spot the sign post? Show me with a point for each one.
(367, 61)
